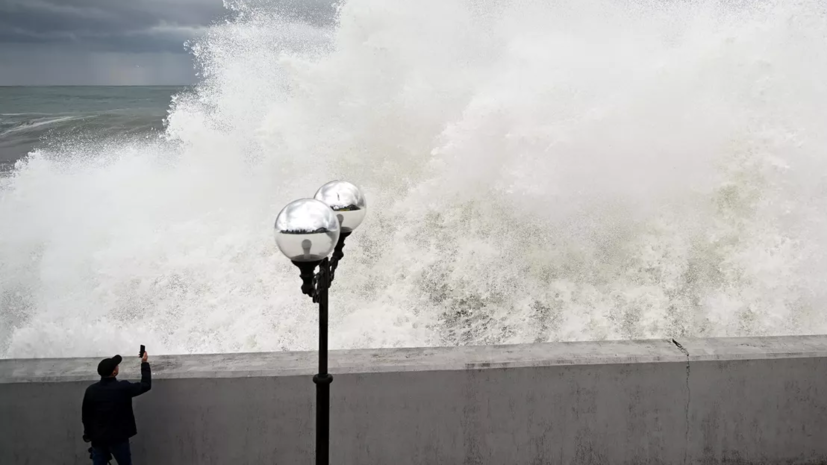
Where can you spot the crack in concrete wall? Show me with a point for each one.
(688, 400)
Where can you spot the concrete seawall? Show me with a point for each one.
(712, 401)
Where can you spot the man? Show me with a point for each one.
(108, 421)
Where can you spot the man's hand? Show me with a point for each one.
(145, 357)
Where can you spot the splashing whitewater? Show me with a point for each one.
(535, 171)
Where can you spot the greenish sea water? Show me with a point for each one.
(33, 117)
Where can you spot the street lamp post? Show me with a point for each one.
(307, 230)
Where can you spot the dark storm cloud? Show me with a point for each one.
(125, 33)
(133, 25)
(106, 25)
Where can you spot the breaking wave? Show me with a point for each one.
(535, 171)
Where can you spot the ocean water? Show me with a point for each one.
(535, 171)
(55, 117)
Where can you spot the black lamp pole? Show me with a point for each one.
(316, 286)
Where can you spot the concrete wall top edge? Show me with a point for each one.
(739, 348)
(423, 359)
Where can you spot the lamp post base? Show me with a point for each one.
(323, 417)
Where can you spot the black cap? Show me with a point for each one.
(108, 365)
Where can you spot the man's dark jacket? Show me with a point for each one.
(107, 408)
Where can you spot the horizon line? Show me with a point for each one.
(96, 85)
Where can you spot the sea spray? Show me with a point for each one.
(535, 171)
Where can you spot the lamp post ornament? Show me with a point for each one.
(307, 230)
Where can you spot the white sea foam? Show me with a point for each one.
(39, 123)
(535, 171)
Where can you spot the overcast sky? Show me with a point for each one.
(111, 42)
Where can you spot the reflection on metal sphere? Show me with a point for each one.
(346, 200)
(307, 230)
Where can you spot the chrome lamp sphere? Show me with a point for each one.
(347, 201)
(307, 230)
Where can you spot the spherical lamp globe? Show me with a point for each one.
(347, 202)
(307, 230)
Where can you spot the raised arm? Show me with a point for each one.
(136, 389)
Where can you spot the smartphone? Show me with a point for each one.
(141, 353)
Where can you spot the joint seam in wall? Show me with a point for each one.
(688, 400)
